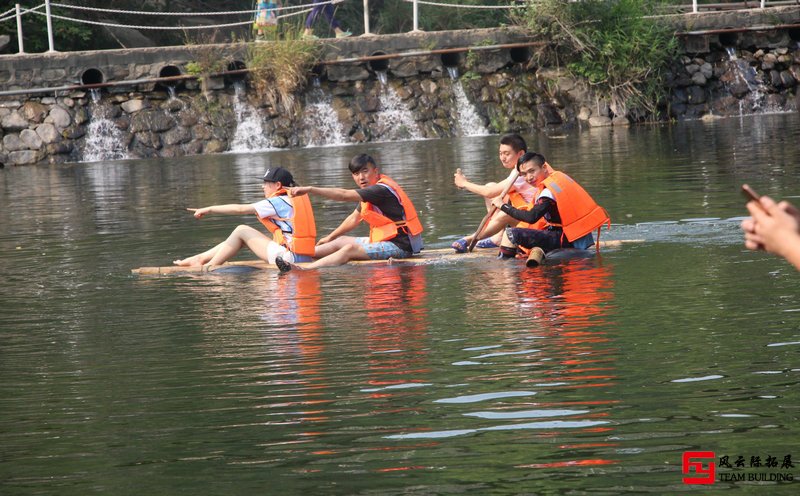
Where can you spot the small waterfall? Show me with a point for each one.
(731, 53)
(746, 85)
(453, 71)
(104, 140)
(469, 122)
(320, 123)
(250, 135)
(173, 93)
(382, 77)
(394, 121)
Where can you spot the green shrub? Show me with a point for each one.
(610, 44)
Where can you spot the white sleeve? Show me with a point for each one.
(265, 209)
(546, 193)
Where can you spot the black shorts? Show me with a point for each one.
(546, 239)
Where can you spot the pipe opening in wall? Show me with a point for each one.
(236, 65)
(729, 39)
(451, 59)
(381, 65)
(520, 55)
(92, 76)
(169, 71)
(318, 71)
(794, 34)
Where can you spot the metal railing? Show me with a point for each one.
(18, 12)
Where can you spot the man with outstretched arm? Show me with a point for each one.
(394, 227)
(289, 220)
(512, 147)
(569, 212)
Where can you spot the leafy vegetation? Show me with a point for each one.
(279, 69)
(610, 44)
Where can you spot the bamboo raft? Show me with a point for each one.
(425, 257)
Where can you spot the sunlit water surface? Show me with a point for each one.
(482, 377)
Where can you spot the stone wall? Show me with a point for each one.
(737, 73)
(508, 90)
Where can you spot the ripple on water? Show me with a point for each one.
(525, 414)
(788, 343)
(474, 398)
(698, 379)
(554, 424)
(506, 353)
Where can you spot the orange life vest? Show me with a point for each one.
(541, 223)
(301, 225)
(382, 228)
(579, 213)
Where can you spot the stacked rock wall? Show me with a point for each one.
(718, 74)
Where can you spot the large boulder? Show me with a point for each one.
(59, 117)
(31, 139)
(14, 122)
(34, 111)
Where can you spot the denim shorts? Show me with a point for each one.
(382, 250)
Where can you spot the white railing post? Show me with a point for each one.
(763, 3)
(416, 16)
(694, 6)
(366, 17)
(49, 26)
(19, 31)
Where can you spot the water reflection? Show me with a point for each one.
(472, 376)
(551, 358)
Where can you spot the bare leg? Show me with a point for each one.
(199, 259)
(337, 252)
(496, 224)
(242, 236)
(352, 251)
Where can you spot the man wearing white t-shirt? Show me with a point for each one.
(289, 220)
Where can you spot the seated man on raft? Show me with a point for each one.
(512, 147)
(290, 220)
(394, 227)
(570, 214)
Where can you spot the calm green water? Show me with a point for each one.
(481, 377)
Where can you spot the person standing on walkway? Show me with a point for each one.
(326, 8)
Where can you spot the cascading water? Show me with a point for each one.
(468, 120)
(744, 82)
(394, 120)
(250, 135)
(320, 123)
(383, 77)
(731, 53)
(104, 140)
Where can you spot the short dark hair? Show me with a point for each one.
(515, 141)
(537, 159)
(360, 161)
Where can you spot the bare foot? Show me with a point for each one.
(194, 261)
